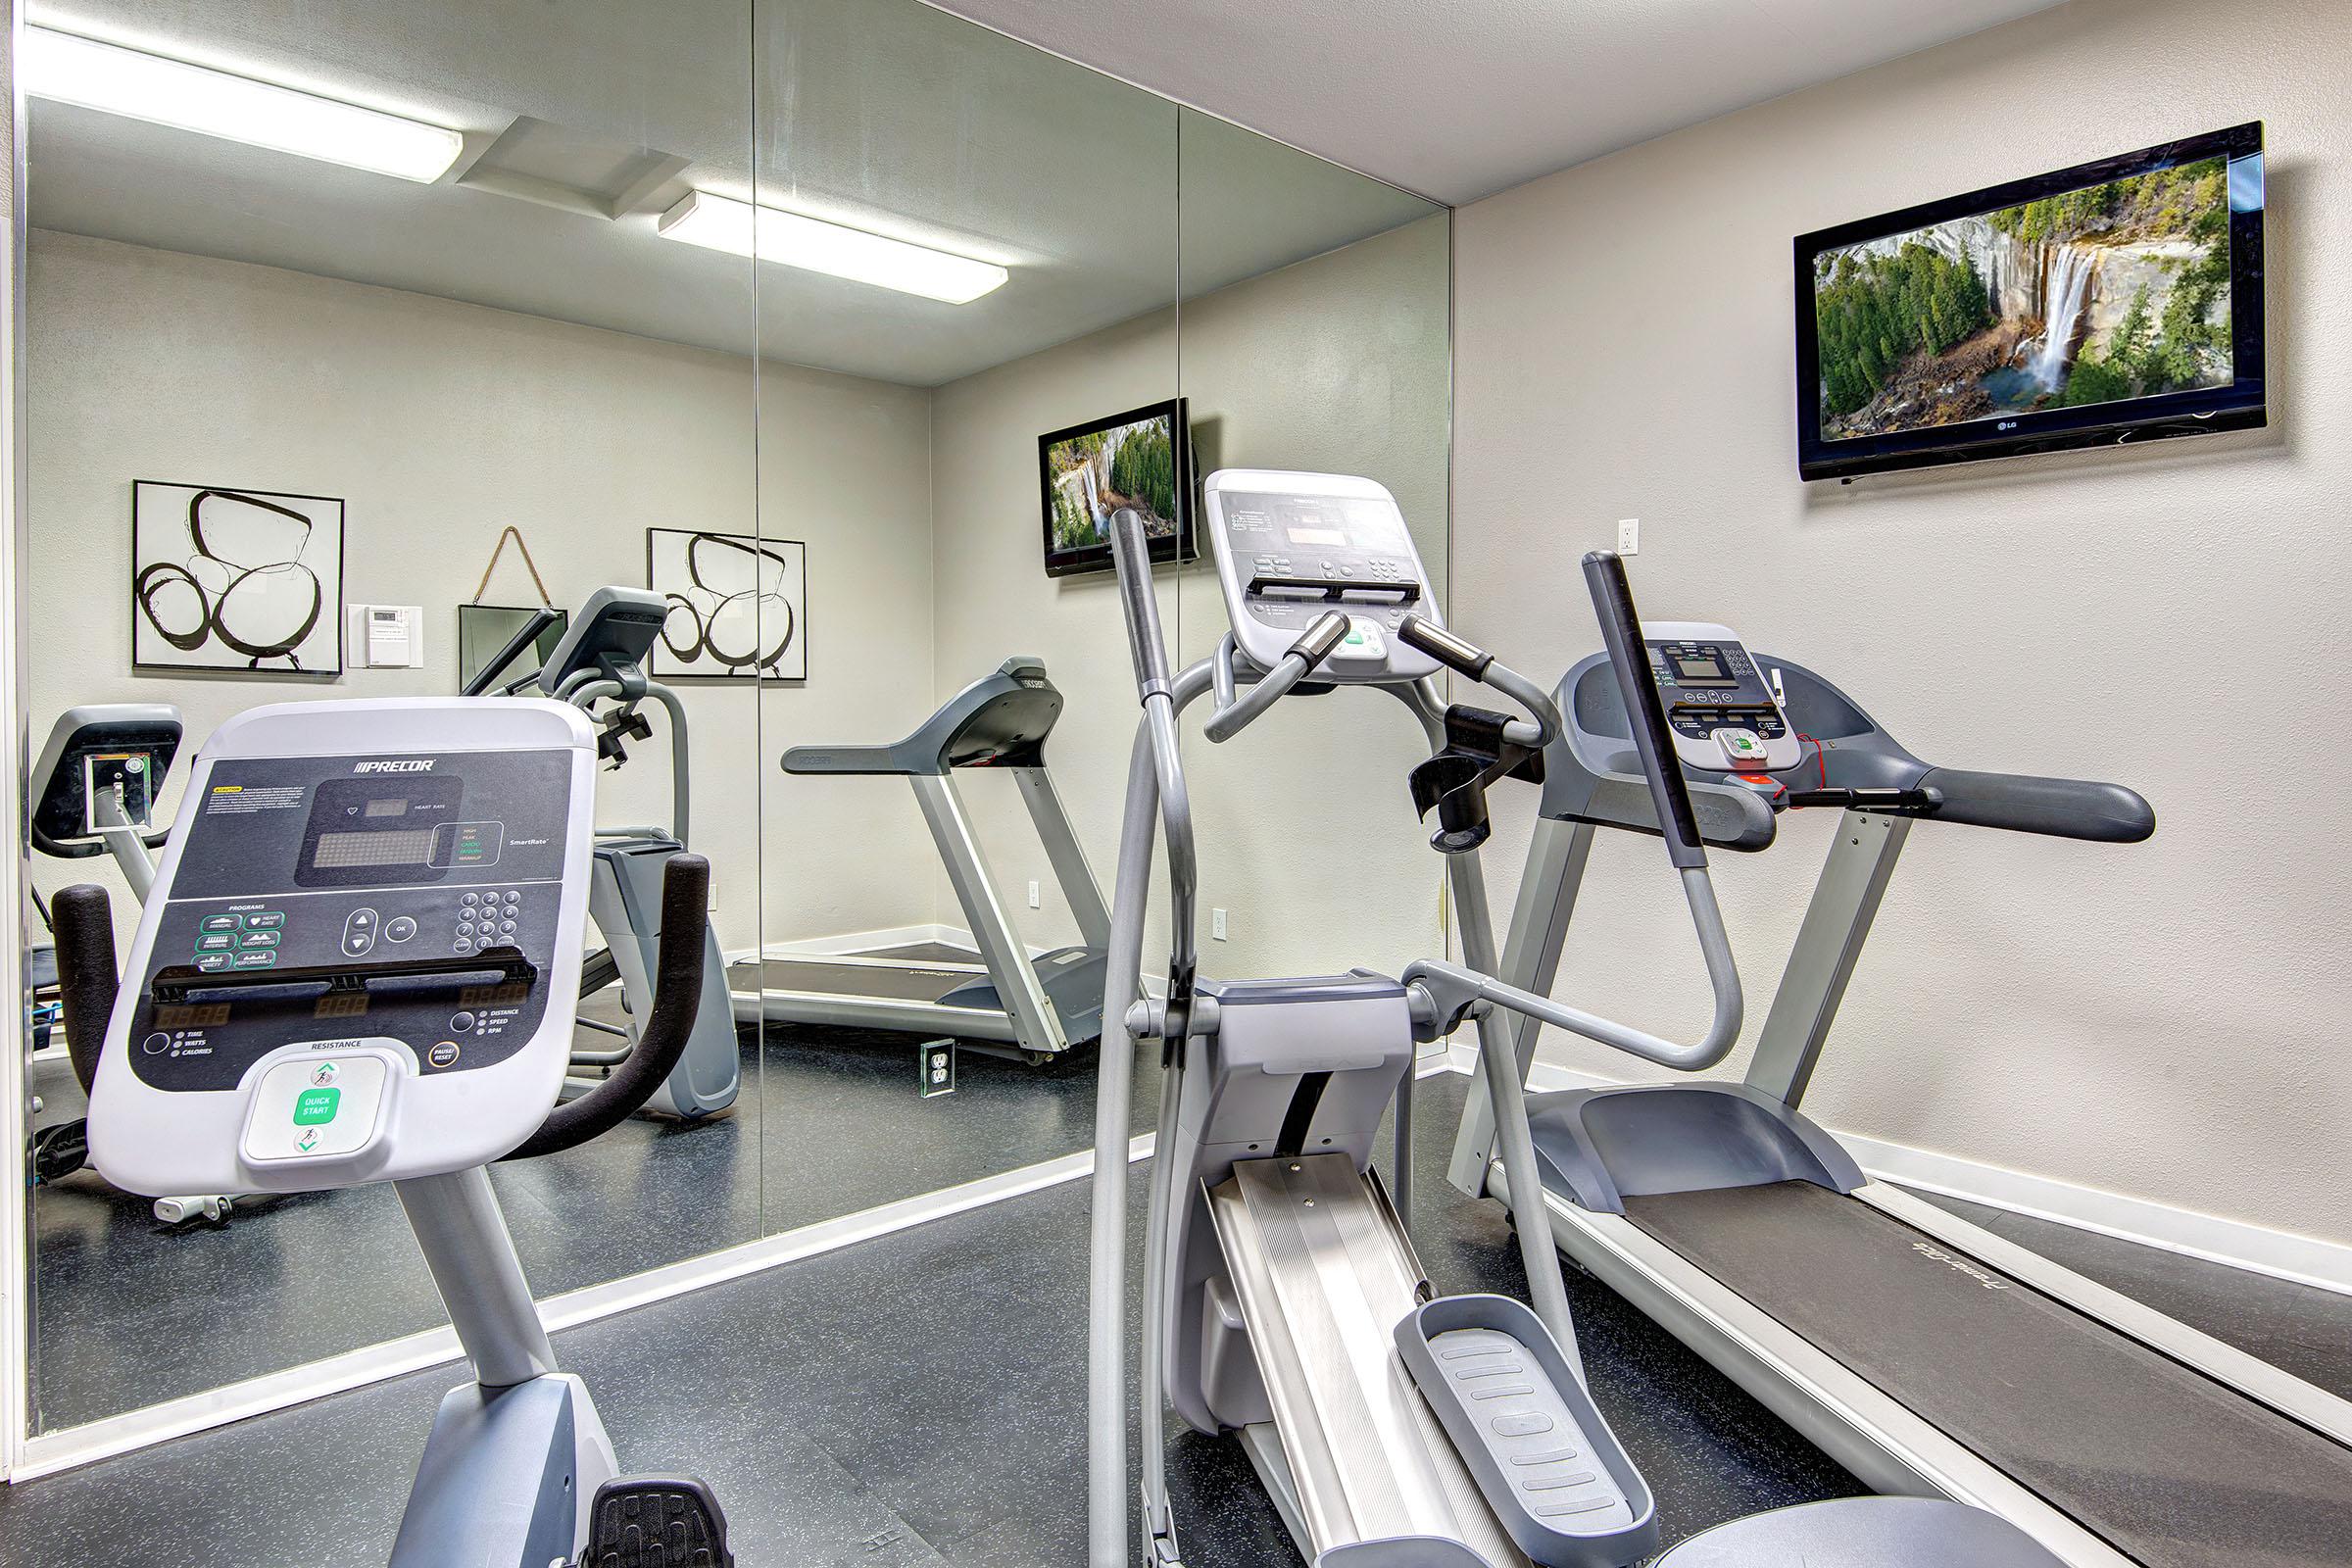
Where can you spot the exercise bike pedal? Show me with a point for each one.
(656, 1522)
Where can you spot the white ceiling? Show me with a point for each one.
(1459, 99)
(883, 113)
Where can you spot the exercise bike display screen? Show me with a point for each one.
(336, 851)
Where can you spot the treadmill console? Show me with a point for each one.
(344, 971)
(1291, 547)
(1719, 705)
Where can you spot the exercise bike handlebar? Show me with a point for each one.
(677, 999)
(82, 921)
(88, 986)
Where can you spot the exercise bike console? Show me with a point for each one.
(342, 977)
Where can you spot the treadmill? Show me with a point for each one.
(999, 996)
(1925, 1353)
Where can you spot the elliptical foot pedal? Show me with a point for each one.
(1519, 1415)
(656, 1522)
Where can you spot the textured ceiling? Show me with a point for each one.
(884, 113)
(1460, 99)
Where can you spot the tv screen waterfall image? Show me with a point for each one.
(2101, 294)
(1090, 472)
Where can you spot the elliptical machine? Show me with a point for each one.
(365, 1040)
(599, 667)
(1282, 1300)
(94, 792)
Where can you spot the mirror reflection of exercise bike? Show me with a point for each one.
(598, 668)
(94, 792)
(369, 1040)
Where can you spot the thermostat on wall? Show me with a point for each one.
(387, 636)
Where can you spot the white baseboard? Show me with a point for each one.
(48, 1453)
(2280, 1254)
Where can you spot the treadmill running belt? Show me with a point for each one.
(2172, 1468)
(896, 982)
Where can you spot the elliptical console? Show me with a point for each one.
(342, 977)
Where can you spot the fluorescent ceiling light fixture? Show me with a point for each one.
(98, 75)
(723, 223)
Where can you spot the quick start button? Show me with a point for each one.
(311, 1107)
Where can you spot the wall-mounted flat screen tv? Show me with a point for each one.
(2114, 301)
(1141, 459)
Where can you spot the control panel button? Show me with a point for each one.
(398, 928)
(217, 942)
(212, 962)
(217, 922)
(460, 1022)
(155, 1044)
(443, 1054)
(264, 920)
(258, 938)
(1741, 745)
(1364, 641)
(461, 945)
(359, 933)
(261, 960)
(294, 1115)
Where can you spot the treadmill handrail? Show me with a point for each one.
(1592, 773)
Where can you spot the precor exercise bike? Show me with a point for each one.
(368, 1041)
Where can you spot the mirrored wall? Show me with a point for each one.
(839, 327)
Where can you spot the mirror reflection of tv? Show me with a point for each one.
(1141, 459)
(2114, 301)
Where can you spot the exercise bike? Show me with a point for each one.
(368, 1041)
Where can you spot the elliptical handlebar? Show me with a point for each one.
(1645, 712)
(677, 999)
(1465, 657)
(1446, 993)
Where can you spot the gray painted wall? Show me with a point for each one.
(1306, 830)
(2162, 1020)
(440, 423)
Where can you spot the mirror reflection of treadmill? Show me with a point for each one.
(995, 995)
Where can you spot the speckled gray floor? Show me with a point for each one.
(829, 1123)
(919, 1400)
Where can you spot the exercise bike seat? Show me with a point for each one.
(1864, 1533)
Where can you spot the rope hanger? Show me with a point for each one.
(528, 565)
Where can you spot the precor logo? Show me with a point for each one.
(418, 765)
(1960, 1264)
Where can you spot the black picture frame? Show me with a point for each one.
(695, 601)
(2242, 404)
(1180, 545)
(208, 645)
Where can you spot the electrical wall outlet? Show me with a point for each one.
(1033, 893)
(1216, 924)
(1629, 537)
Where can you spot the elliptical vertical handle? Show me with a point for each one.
(1645, 711)
(83, 921)
(1131, 556)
